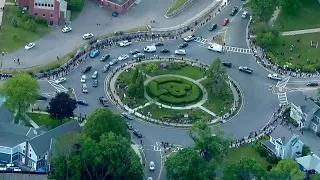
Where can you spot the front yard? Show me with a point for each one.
(45, 119)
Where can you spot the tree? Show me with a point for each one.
(20, 92)
(306, 150)
(315, 177)
(290, 6)
(102, 121)
(62, 106)
(266, 35)
(135, 76)
(187, 164)
(245, 168)
(140, 86)
(30, 25)
(131, 92)
(14, 22)
(263, 10)
(152, 68)
(75, 5)
(287, 169)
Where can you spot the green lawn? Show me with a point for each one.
(7, 43)
(302, 48)
(307, 18)
(178, 68)
(157, 112)
(45, 119)
(216, 104)
(176, 5)
(136, 29)
(235, 154)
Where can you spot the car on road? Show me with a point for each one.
(125, 43)
(95, 83)
(103, 101)
(87, 36)
(213, 27)
(123, 57)
(183, 45)
(189, 38)
(85, 88)
(149, 178)
(94, 53)
(94, 75)
(82, 102)
(127, 116)
(245, 69)
(165, 51)
(105, 57)
(60, 80)
(106, 68)
(66, 29)
(137, 133)
(227, 64)
(244, 15)
(139, 55)
(129, 126)
(180, 52)
(150, 49)
(158, 44)
(83, 78)
(42, 98)
(225, 22)
(234, 11)
(135, 51)
(29, 46)
(152, 166)
(113, 62)
(215, 47)
(86, 69)
(274, 77)
(312, 84)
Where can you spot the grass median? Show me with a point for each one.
(175, 6)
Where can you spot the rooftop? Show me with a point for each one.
(300, 100)
(310, 162)
(283, 133)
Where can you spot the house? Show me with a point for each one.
(309, 164)
(284, 144)
(54, 11)
(119, 6)
(304, 111)
(29, 146)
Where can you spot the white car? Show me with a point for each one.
(83, 78)
(60, 80)
(152, 166)
(215, 47)
(244, 14)
(94, 75)
(189, 38)
(125, 43)
(150, 49)
(87, 36)
(113, 62)
(274, 77)
(180, 52)
(123, 57)
(66, 29)
(29, 46)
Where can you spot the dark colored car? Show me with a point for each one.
(312, 84)
(165, 51)
(129, 126)
(234, 11)
(137, 133)
(86, 69)
(227, 64)
(105, 57)
(95, 83)
(106, 68)
(183, 45)
(245, 69)
(213, 27)
(42, 98)
(81, 102)
(133, 52)
(103, 101)
(158, 44)
(127, 116)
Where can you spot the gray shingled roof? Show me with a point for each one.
(317, 113)
(283, 133)
(6, 115)
(298, 99)
(310, 162)
(269, 145)
(41, 143)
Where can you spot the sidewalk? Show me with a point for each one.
(304, 31)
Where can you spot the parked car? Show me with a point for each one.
(150, 49)
(152, 166)
(180, 52)
(106, 68)
(225, 21)
(105, 57)
(165, 51)
(103, 101)
(312, 84)
(82, 102)
(87, 36)
(95, 83)
(158, 44)
(139, 55)
(127, 116)
(183, 45)
(66, 29)
(213, 27)
(86, 69)
(129, 126)
(189, 38)
(113, 62)
(137, 133)
(83, 79)
(60, 80)
(42, 98)
(85, 88)
(94, 53)
(29, 46)
(135, 51)
(274, 77)
(125, 43)
(245, 69)
(94, 75)
(244, 15)
(234, 11)
(123, 57)
(227, 64)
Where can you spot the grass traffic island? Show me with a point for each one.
(45, 119)
(175, 6)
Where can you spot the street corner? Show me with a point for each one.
(220, 37)
(168, 149)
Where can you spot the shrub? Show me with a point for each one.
(273, 159)
(261, 150)
(269, 168)
(40, 20)
(26, 17)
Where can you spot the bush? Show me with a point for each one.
(40, 20)
(269, 168)
(26, 17)
(261, 150)
(273, 159)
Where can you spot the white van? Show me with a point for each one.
(84, 88)
(215, 47)
(150, 49)
(94, 75)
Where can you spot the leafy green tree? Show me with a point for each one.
(20, 92)
(187, 164)
(287, 169)
(75, 5)
(263, 10)
(152, 68)
(140, 86)
(62, 106)
(290, 6)
(131, 92)
(14, 22)
(306, 150)
(266, 35)
(135, 76)
(102, 121)
(315, 177)
(245, 168)
(30, 25)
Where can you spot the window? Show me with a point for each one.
(23, 150)
(51, 5)
(46, 5)
(36, 4)
(29, 155)
(30, 150)
(42, 4)
(44, 15)
(39, 157)
(51, 15)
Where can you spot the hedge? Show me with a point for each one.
(174, 91)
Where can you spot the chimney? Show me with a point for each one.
(26, 152)
(311, 153)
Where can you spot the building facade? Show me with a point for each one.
(119, 6)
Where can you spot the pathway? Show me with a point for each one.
(304, 31)
(274, 16)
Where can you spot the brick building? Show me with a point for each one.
(119, 6)
(54, 11)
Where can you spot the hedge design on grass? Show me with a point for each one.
(174, 91)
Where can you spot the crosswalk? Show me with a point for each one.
(282, 97)
(283, 82)
(237, 50)
(56, 86)
(158, 147)
(49, 94)
(201, 40)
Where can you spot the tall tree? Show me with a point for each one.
(263, 10)
(266, 35)
(246, 168)
(102, 121)
(187, 164)
(290, 6)
(139, 86)
(20, 92)
(62, 106)
(135, 76)
(287, 169)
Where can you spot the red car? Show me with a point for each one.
(225, 21)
